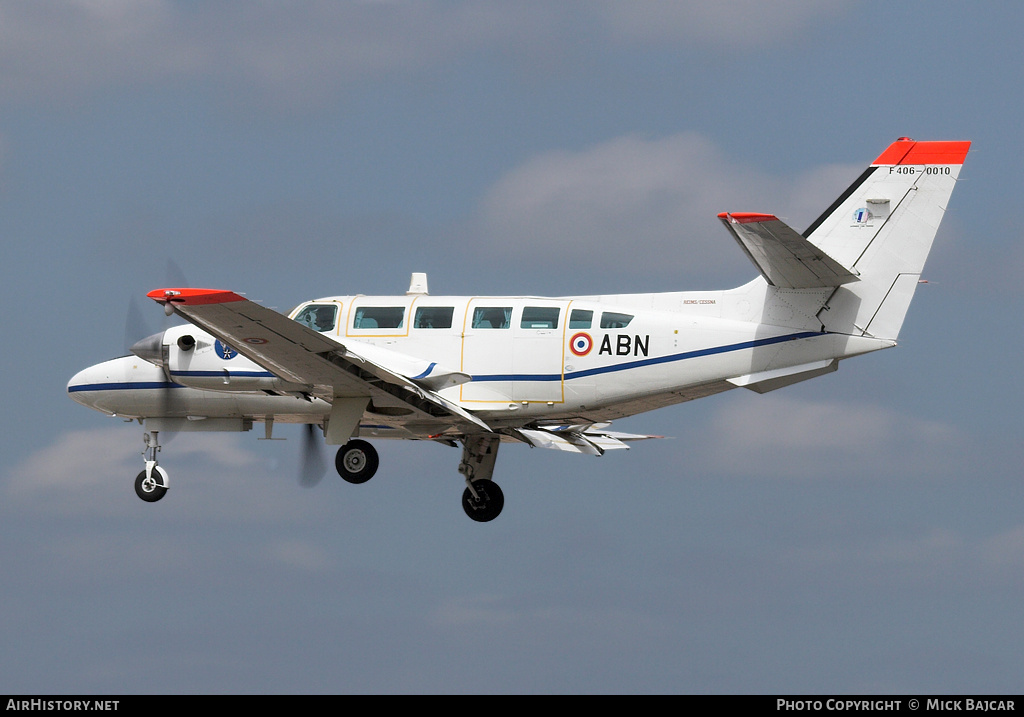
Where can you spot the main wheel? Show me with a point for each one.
(153, 488)
(487, 505)
(356, 461)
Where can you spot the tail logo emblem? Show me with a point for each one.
(862, 216)
(223, 350)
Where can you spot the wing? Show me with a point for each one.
(350, 377)
(784, 257)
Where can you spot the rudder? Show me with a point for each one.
(883, 227)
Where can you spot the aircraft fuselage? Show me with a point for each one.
(586, 359)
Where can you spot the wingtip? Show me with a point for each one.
(193, 297)
(747, 217)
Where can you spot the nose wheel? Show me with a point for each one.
(151, 487)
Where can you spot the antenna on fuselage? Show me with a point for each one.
(418, 284)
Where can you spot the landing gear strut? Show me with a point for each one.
(482, 500)
(151, 484)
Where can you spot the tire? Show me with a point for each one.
(357, 461)
(153, 489)
(489, 505)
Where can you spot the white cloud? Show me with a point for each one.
(81, 460)
(303, 50)
(779, 436)
(292, 50)
(53, 49)
(79, 469)
(78, 462)
(646, 204)
(735, 24)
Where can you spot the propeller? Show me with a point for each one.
(313, 464)
(135, 326)
(141, 340)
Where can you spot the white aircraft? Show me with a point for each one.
(549, 372)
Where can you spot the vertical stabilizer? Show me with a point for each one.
(882, 227)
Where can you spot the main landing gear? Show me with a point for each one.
(357, 461)
(482, 500)
(151, 484)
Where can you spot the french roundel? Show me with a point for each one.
(581, 343)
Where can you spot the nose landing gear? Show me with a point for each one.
(151, 484)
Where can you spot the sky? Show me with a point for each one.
(858, 533)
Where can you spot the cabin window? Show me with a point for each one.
(612, 320)
(433, 317)
(489, 317)
(319, 317)
(539, 317)
(379, 317)
(581, 319)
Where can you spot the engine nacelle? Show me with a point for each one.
(196, 359)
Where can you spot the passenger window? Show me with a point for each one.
(539, 317)
(433, 317)
(581, 319)
(379, 317)
(319, 317)
(611, 320)
(486, 317)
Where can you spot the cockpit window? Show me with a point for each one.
(319, 317)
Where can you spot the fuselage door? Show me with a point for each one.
(487, 351)
(538, 354)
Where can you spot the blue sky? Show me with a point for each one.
(856, 533)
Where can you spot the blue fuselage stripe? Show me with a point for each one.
(649, 361)
(123, 386)
(483, 378)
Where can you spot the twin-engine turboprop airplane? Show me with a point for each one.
(549, 372)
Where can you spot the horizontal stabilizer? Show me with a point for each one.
(589, 440)
(785, 258)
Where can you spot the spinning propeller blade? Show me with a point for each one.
(141, 340)
(313, 464)
(134, 325)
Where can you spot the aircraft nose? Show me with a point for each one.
(150, 349)
(101, 386)
(81, 384)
